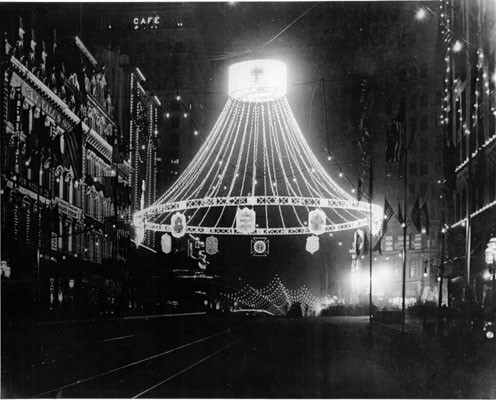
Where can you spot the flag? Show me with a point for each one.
(416, 215)
(378, 245)
(395, 146)
(388, 214)
(74, 145)
(424, 218)
(359, 189)
(400, 214)
(359, 241)
(446, 37)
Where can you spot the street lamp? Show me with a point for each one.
(491, 263)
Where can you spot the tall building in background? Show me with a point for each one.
(137, 112)
(469, 112)
(177, 72)
(402, 111)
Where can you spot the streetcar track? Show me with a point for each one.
(187, 368)
(113, 370)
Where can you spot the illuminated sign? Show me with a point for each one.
(146, 22)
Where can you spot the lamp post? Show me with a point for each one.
(491, 263)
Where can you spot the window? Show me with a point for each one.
(437, 98)
(412, 168)
(413, 124)
(423, 71)
(424, 99)
(423, 144)
(424, 168)
(424, 123)
(388, 106)
(412, 270)
(413, 73)
(413, 102)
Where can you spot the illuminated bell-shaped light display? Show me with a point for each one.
(212, 245)
(245, 220)
(178, 225)
(166, 243)
(316, 222)
(312, 244)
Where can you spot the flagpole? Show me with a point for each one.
(371, 180)
(405, 186)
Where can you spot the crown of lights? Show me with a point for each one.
(255, 159)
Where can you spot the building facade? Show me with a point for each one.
(407, 93)
(65, 198)
(469, 112)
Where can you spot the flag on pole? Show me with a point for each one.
(359, 189)
(74, 146)
(424, 219)
(400, 214)
(378, 245)
(416, 215)
(395, 136)
(388, 214)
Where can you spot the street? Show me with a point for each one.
(245, 357)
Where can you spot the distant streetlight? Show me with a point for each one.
(421, 14)
(457, 47)
(491, 263)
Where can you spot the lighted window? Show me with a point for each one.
(412, 270)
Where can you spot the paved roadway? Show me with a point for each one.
(206, 357)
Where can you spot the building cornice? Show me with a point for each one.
(93, 139)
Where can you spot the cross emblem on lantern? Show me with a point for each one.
(178, 224)
(256, 72)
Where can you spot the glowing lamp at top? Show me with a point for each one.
(257, 80)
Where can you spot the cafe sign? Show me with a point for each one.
(147, 22)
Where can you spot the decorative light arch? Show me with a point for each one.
(257, 157)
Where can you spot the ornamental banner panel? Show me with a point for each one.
(260, 246)
(178, 225)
